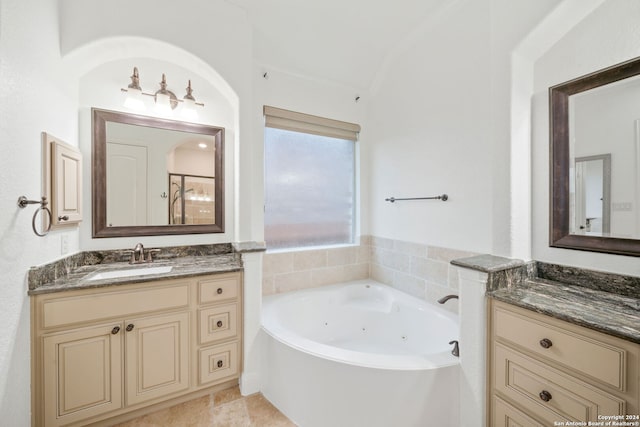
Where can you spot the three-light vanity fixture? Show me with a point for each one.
(165, 100)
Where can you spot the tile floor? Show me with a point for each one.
(226, 408)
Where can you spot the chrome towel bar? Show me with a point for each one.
(443, 197)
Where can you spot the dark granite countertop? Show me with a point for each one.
(605, 302)
(606, 312)
(184, 266)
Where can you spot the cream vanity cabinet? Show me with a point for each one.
(544, 370)
(105, 352)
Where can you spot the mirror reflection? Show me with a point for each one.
(140, 161)
(604, 144)
(192, 199)
(155, 176)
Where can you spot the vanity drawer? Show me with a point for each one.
(218, 323)
(547, 392)
(599, 360)
(505, 415)
(99, 305)
(219, 362)
(218, 289)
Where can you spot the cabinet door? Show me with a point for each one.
(157, 356)
(82, 373)
(66, 182)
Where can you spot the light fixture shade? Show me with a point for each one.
(188, 109)
(163, 103)
(134, 100)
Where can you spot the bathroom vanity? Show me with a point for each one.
(561, 352)
(544, 369)
(126, 343)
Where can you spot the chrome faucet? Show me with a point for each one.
(137, 254)
(447, 298)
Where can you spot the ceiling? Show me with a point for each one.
(342, 41)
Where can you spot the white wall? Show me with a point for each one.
(439, 122)
(607, 36)
(429, 128)
(36, 96)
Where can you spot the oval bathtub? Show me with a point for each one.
(360, 354)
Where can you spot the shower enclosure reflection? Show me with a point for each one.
(192, 199)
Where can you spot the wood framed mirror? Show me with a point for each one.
(133, 157)
(590, 116)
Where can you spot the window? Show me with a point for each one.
(309, 181)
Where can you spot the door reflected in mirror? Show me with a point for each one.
(155, 176)
(592, 190)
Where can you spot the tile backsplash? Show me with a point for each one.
(300, 269)
(417, 269)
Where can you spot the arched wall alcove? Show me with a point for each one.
(102, 67)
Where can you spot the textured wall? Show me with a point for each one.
(35, 96)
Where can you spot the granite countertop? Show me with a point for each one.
(607, 312)
(184, 266)
(602, 301)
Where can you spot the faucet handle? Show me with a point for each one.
(456, 348)
(133, 255)
(149, 254)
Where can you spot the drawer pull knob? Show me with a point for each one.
(545, 343)
(219, 291)
(130, 327)
(219, 324)
(115, 330)
(220, 363)
(545, 395)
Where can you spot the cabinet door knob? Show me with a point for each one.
(545, 395)
(545, 343)
(130, 327)
(220, 363)
(219, 324)
(115, 330)
(219, 291)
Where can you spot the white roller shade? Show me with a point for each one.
(300, 122)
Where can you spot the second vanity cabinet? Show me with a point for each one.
(99, 353)
(543, 370)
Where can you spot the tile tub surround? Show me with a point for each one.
(605, 302)
(307, 268)
(420, 270)
(71, 272)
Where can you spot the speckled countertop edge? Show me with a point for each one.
(604, 302)
(606, 312)
(487, 263)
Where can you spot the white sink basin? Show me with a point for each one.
(130, 272)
